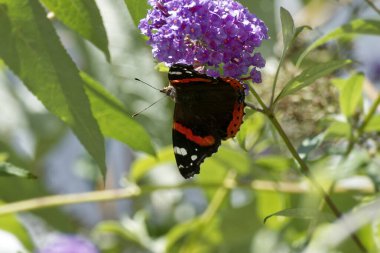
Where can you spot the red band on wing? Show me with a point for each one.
(201, 141)
(237, 120)
(191, 80)
(238, 112)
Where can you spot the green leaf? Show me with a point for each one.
(350, 93)
(32, 50)
(358, 26)
(137, 9)
(11, 224)
(310, 144)
(143, 165)
(268, 202)
(9, 170)
(273, 162)
(302, 213)
(83, 17)
(181, 230)
(310, 75)
(338, 129)
(373, 125)
(250, 130)
(288, 29)
(113, 119)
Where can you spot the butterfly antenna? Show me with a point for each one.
(147, 84)
(146, 108)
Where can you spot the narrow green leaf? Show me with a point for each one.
(373, 124)
(301, 213)
(338, 129)
(358, 26)
(288, 29)
(11, 224)
(82, 16)
(309, 75)
(269, 202)
(9, 170)
(350, 93)
(32, 50)
(113, 119)
(137, 9)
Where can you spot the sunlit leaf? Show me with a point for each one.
(373, 124)
(358, 26)
(288, 29)
(269, 202)
(179, 231)
(9, 170)
(113, 119)
(310, 75)
(350, 93)
(273, 162)
(11, 224)
(83, 17)
(32, 50)
(138, 9)
(338, 129)
(301, 213)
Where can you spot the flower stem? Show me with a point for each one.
(373, 6)
(362, 127)
(303, 166)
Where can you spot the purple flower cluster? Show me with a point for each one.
(218, 34)
(68, 244)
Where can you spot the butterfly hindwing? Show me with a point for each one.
(190, 151)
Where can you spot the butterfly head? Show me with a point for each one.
(170, 91)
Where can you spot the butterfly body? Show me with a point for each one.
(207, 110)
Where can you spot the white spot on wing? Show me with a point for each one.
(194, 157)
(180, 151)
(175, 73)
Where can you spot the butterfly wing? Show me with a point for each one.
(205, 113)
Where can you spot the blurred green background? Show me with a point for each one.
(202, 214)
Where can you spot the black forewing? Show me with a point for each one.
(203, 104)
(205, 107)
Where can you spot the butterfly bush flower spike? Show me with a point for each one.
(220, 35)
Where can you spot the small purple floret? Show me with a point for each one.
(68, 243)
(220, 35)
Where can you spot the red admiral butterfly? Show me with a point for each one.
(207, 110)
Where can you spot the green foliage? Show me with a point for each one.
(83, 17)
(9, 170)
(137, 9)
(309, 76)
(11, 223)
(253, 195)
(351, 93)
(301, 213)
(355, 27)
(113, 119)
(32, 50)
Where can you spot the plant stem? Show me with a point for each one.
(363, 125)
(275, 79)
(373, 6)
(134, 191)
(303, 166)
